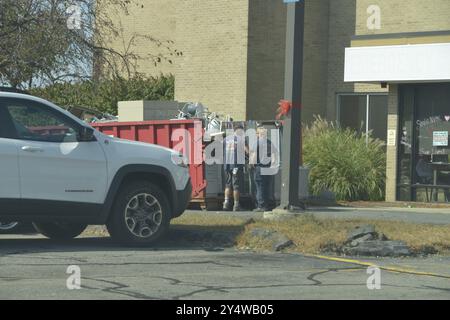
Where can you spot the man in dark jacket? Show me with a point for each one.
(263, 157)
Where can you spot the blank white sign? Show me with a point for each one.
(405, 63)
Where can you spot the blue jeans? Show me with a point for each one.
(262, 188)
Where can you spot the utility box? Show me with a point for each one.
(213, 173)
(144, 110)
(303, 183)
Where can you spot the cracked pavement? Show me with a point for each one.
(35, 268)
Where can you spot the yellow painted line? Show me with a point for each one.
(391, 269)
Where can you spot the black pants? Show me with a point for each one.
(263, 183)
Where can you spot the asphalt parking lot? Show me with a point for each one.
(32, 267)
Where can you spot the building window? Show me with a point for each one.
(364, 113)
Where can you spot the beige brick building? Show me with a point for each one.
(408, 25)
(233, 52)
(376, 65)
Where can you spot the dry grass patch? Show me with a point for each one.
(208, 220)
(318, 235)
(309, 234)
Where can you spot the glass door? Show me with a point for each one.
(424, 162)
(406, 144)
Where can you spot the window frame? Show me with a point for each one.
(359, 94)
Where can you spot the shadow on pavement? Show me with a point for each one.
(186, 237)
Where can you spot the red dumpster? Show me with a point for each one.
(170, 134)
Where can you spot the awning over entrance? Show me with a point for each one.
(398, 64)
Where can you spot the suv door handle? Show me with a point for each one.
(32, 149)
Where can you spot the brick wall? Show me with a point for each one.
(315, 66)
(266, 58)
(233, 50)
(153, 18)
(213, 38)
(405, 16)
(391, 154)
(341, 28)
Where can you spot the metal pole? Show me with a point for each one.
(367, 118)
(292, 142)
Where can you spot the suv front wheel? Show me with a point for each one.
(59, 230)
(141, 214)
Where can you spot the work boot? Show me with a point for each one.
(227, 205)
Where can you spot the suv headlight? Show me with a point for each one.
(184, 162)
(180, 160)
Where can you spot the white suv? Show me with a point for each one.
(63, 175)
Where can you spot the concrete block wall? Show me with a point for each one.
(143, 110)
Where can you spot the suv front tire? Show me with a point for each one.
(141, 214)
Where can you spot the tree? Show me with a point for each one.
(52, 41)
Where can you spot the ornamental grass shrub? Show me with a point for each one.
(350, 164)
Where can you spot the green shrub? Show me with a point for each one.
(342, 161)
(104, 95)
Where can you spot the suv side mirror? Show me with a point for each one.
(86, 134)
